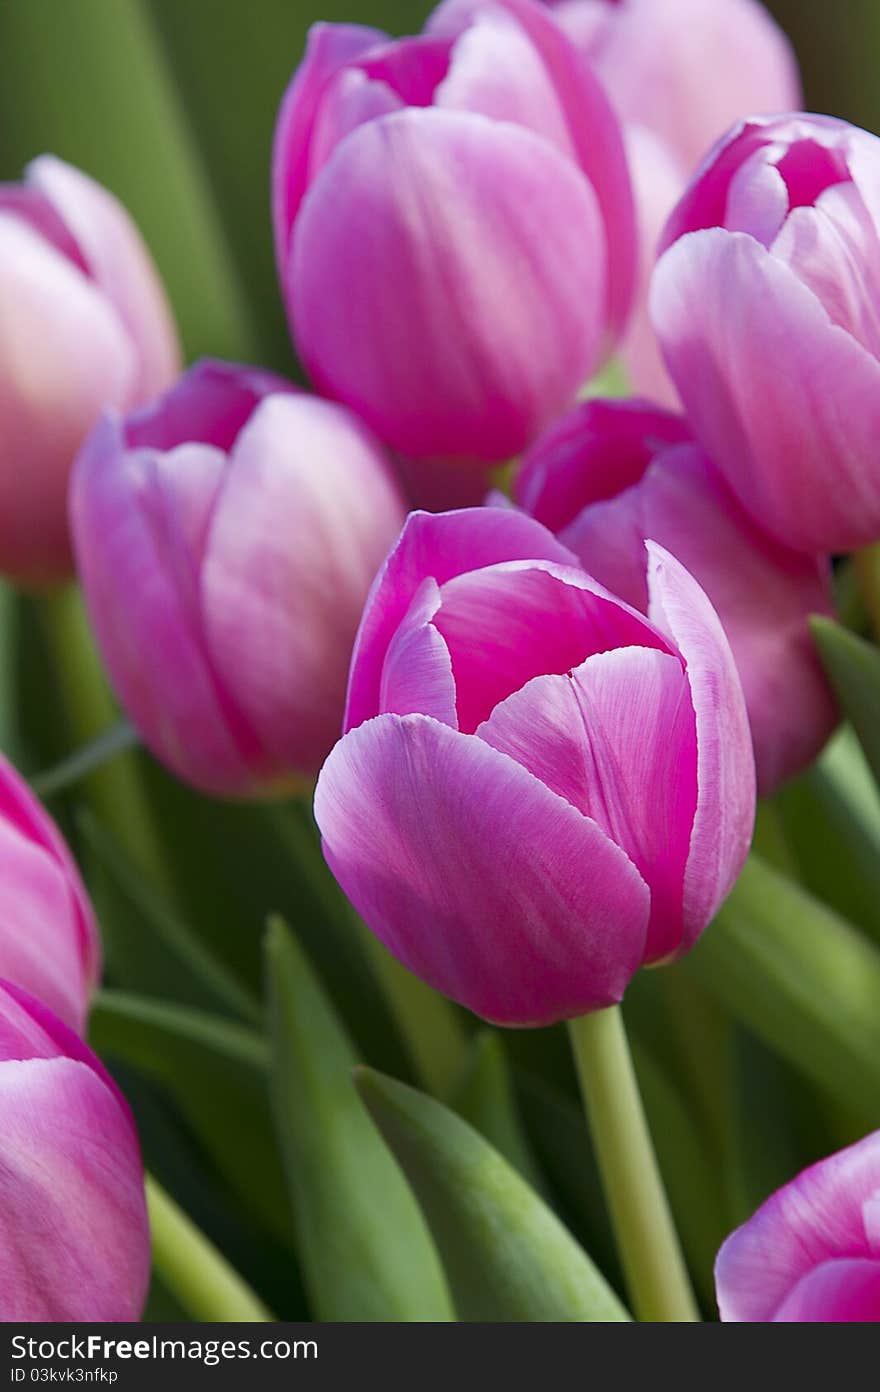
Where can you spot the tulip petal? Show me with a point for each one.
(814, 1219)
(279, 621)
(438, 545)
(773, 389)
(725, 815)
(593, 129)
(121, 267)
(838, 1292)
(328, 48)
(616, 739)
(471, 871)
(209, 405)
(508, 623)
(417, 673)
(380, 239)
(74, 1241)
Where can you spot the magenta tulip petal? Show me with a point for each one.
(815, 1219)
(329, 48)
(508, 623)
(209, 405)
(120, 265)
(417, 672)
(593, 131)
(349, 100)
(724, 820)
(74, 1243)
(757, 198)
(470, 871)
(616, 739)
(840, 1292)
(440, 546)
(412, 68)
(279, 619)
(728, 314)
(514, 291)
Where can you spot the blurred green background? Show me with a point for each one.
(171, 103)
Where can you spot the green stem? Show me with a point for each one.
(649, 1247)
(114, 788)
(192, 1268)
(866, 565)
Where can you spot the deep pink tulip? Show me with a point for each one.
(811, 1253)
(540, 789)
(74, 1240)
(84, 324)
(49, 940)
(612, 474)
(226, 538)
(453, 225)
(766, 307)
(685, 69)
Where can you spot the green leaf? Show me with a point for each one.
(803, 978)
(365, 1251)
(506, 1253)
(216, 1071)
(148, 947)
(853, 668)
(486, 1099)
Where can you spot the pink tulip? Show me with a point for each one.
(453, 226)
(74, 1242)
(685, 69)
(84, 324)
(609, 476)
(226, 538)
(48, 936)
(811, 1253)
(540, 789)
(766, 307)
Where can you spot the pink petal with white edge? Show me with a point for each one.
(839, 1292)
(725, 815)
(439, 545)
(480, 879)
(815, 1219)
(417, 673)
(449, 227)
(786, 403)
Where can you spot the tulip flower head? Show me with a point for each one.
(467, 191)
(49, 940)
(612, 474)
(540, 789)
(74, 1240)
(84, 325)
(226, 538)
(811, 1253)
(765, 303)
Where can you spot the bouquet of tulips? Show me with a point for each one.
(387, 721)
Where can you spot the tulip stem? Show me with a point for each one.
(113, 788)
(866, 564)
(192, 1268)
(652, 1259)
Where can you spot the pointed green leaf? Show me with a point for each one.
(506, 1253)
(485, 1098)
(803, 978)
(853, 668)
(365, 1251)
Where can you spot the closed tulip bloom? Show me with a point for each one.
(84, 325)
(74, 1239)
(612, 474)
(765, 304)
(453, 225)
(539, 789)
(811, 1253)
(226, 538)
(685, 69)
(48, 937)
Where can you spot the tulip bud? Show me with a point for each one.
(811, 1253)
(453, 226)
(609, 476)
(49, 940)
(539, 789)
(84, 324)
(226, 537)
(765, 304)
(684, 69)
(74, 1240)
